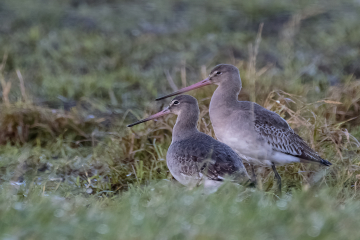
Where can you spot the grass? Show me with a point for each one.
(164, 210)
(74, 73)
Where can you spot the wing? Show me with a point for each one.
(208, 158)
(219, 168)
(276, 131)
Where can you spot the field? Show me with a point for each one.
(74, 73)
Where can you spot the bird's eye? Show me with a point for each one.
(218, 73)
(176, 102)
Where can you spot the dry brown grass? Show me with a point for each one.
(349, 96)
(138, 154)
(22, 123)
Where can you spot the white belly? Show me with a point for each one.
(246, 146)
(254, 151)
(210, 186)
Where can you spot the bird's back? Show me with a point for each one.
(262, 136)
(202, 156)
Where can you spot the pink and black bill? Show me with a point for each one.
(157, 115)
(203, 83)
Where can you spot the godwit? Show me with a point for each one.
(193, 157)
(258, 135)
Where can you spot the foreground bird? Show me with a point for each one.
(193, 157)
(258, 135)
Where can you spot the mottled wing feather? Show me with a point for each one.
(212, 169)
(189, 165)
(282, 138)
(209, 158)
(216, 170)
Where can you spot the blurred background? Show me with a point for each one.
(120, 52)
(73, 73)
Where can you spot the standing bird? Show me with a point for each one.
(258, 135)
(194, 157)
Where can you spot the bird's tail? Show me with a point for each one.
(325, 162)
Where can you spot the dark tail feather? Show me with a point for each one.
(325, 162)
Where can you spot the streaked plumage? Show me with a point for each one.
(195, 158)
(258, 135)
(203, 159)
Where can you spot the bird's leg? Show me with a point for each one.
(199, 182)
(252, 182)
(199, 176)
(277, 177)
(253, 177)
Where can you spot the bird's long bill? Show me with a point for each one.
(189, 88)
(157, 115)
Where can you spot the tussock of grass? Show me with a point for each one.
(29, 123)
(349, 96)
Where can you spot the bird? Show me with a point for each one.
(195, 158)
(258, 135)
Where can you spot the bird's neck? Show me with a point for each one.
(226, 95)
(185, 125)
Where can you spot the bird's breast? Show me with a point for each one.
(239, 133)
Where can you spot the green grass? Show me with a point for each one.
(165, 210)
(69, 167)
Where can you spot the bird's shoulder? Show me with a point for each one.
(266, 117)
(200, 145)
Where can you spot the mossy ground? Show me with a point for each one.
(75, 72)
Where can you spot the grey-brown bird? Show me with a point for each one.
(258, 135)
(193, 157)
